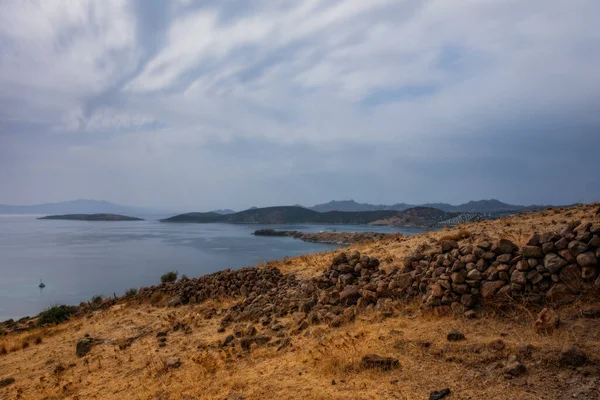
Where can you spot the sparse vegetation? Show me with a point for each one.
(130, 293)
(170, 276)
(56, 314)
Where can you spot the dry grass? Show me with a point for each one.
(306, 369)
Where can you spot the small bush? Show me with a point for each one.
(25, 344)
(130, 293)
(170, 276)
(3, 350)
(96, 301)
(37, 340)
(56, 314)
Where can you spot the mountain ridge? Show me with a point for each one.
(482, 206)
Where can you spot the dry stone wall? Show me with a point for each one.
(449, 276)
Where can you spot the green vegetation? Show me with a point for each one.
(130, 293)
(170, 276)
(56, 314)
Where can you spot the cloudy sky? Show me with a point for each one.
(193, 105)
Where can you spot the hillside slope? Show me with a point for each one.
(214, 349)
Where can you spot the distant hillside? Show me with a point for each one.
(223, 212)
(420, 216)
(78, 207)
(417, 216)
(92, 217)
(352, 206)
(480, 206)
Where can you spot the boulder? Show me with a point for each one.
(439, 394)
(571, 276)
(6, 381)
(83, 346)
(532, 252)
(514, 367)
(573, 356)
(489, 288)
(504, 246)
(455, 336)
(518, 277)
(349, 295)
(587, 259)
(172, 362)
(576, 247)
(553, 262)
(376, 361)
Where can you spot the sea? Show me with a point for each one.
(77, 260)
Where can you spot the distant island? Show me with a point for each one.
(92, 217)
(418, 216)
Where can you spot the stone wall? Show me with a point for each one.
(449, 276)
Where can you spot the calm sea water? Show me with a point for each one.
(80, 259)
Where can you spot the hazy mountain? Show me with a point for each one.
(481, 206)
(81, 206)
(226, 211)
(353, 206)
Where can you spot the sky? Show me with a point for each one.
(195, 105)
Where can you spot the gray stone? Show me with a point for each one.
(553, 262)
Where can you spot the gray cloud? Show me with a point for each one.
(195, 105)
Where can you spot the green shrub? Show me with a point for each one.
(130, 293)
(96, 301)
(56, 314)
(170, 276)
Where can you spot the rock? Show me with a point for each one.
(172, 362)
(553, 262)
(458, 277)
(524, 351)
(246, 343)
(349, 295)
(576, 247)
(6, 381)
(547, 321)
(470, 314)
(497, 345)
(514, 368)
(439, 394)
(518, 277)
(489, 288)
(227, 341)
(174, 302)
(455, 336)
(571, 276)
(436, 290)
(504, 246)
(594, 241)
(572, 356)
(448, 245)
(588, 273)
(587, 259)
(84, 345)
(375, 361)
(532, 252)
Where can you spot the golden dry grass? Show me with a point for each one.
(307, 369)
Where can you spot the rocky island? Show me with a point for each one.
(92, 217)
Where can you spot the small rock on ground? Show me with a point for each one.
(439, 394)
(6, 381)
(455, 336)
